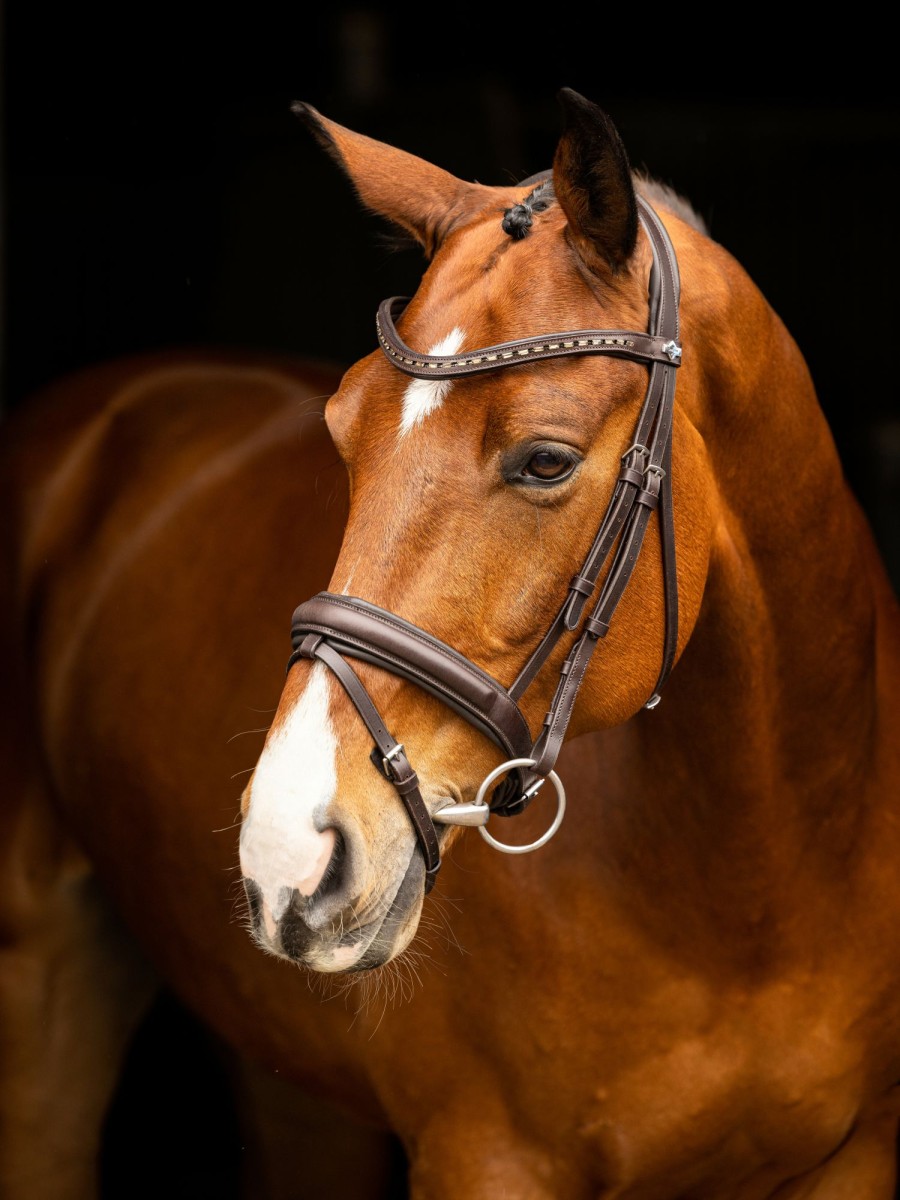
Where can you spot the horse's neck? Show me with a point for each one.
(761, 763)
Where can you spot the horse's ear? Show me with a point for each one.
(593, 185)
(422, 199)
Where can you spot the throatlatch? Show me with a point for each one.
(332, 628)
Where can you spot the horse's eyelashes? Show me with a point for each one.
(540, 465)
(548, 465)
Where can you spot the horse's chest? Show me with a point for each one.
(756, 1089)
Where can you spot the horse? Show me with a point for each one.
(570, 553)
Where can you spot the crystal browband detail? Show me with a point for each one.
(645, 348)
(435, 363)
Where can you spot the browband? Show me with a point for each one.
(333, 628)
(640, 347)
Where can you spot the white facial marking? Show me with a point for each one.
(423, 396)
(341, 958)
(345, 590)
(294, 782)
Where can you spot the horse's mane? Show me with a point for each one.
(658, 193)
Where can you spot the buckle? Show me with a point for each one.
(386, 759)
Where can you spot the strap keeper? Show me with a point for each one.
(649, 493)
(409, 784)
(563, 675)
(596, 628)
(580, 583)
(313, 639)
(630, 475)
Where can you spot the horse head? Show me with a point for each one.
(477, 494)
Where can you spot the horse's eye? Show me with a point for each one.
(548, 464)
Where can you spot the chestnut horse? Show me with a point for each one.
(692, 989)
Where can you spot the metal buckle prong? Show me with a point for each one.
(531, 792)
(638, 447)
(391, 754)
(654, 470)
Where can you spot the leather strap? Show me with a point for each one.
(635, 462)
(395, 765)
(365, 631)
(620, 343)
(670, 580)
(659, 407)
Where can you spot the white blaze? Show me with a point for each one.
(294, 782)
(423, 396)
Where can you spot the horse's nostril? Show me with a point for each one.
(333, 875)
(306, 918)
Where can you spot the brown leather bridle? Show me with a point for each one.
(332, 628)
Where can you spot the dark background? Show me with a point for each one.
(158, 193)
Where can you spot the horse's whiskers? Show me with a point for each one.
(244, 732)
(225, 828)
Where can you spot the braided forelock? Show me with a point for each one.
(517, 220)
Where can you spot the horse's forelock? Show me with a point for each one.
(517, 220)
